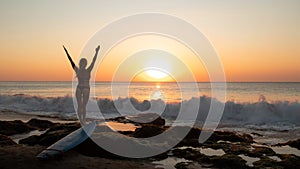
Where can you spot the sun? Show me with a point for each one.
(153, 75)
(156, 74)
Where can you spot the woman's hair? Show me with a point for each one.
(82, 63)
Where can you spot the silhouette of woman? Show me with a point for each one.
(83, 87)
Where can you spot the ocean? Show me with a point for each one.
(238, 92)
(259, 107)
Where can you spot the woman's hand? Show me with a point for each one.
(97, 49)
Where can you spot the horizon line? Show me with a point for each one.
(155, 81)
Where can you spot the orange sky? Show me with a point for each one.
(256, 40)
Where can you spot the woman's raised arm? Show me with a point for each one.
(70, 59)
(94, 59)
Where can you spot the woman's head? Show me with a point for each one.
(82, 63)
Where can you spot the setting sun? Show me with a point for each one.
(156, 74)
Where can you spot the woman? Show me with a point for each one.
(83, 87)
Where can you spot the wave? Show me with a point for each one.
(261, 112)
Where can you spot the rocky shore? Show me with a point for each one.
(224, 149)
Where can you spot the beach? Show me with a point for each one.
(250, 134)
(22, 156)
(224, 149)
(150, 84)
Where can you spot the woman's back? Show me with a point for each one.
(83, 76)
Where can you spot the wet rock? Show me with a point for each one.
(18, 127)
(190, 154)
(256, 134)
(4, 140)
(14, 127)
(191, 139)
(141, 119)
(52, 135)
(147, 131)
(91, 149)
(230, 136)
(289, 161)
(293, 143)
(32, 140)
(189, 143)
(260, 151)
(194, 133)
(147, 118)
(235, 148)
(224, 146)
(161, 156)
(266, 162)
(182, 165)
(121, 119)
(40, 124)
(115, 142)
(228, 161)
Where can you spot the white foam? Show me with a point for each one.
(280, 115)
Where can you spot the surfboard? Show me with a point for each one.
(68, 142)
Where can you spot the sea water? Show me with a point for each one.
(259, 107)
(171, 92)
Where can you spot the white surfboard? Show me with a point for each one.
(68, 142)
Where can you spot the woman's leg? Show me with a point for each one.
(79, 104)
(86, 95)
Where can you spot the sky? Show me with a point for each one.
(256, 40)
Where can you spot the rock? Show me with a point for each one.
(256, 134)
(52, 135)
(194, 133)
(228, 161)
(260, 151)
(266, 162)
(236, 149)
(191, 139)
(116, 142)
(289, 161)
(189, 143)
(292, 143)
(32, 140)
(147, 118)
(40, 124)
(141, 119)
(121, 119)
(223, 145)
(91, 149)
(18, 127)
(161, 156)
(181, 165)
(14, 127)
(147, 131)
(295, 143)
(189, 154)
(230, 136)
(4, 140)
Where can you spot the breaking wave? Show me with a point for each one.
(261, 112)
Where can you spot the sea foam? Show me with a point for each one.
(261, 112)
